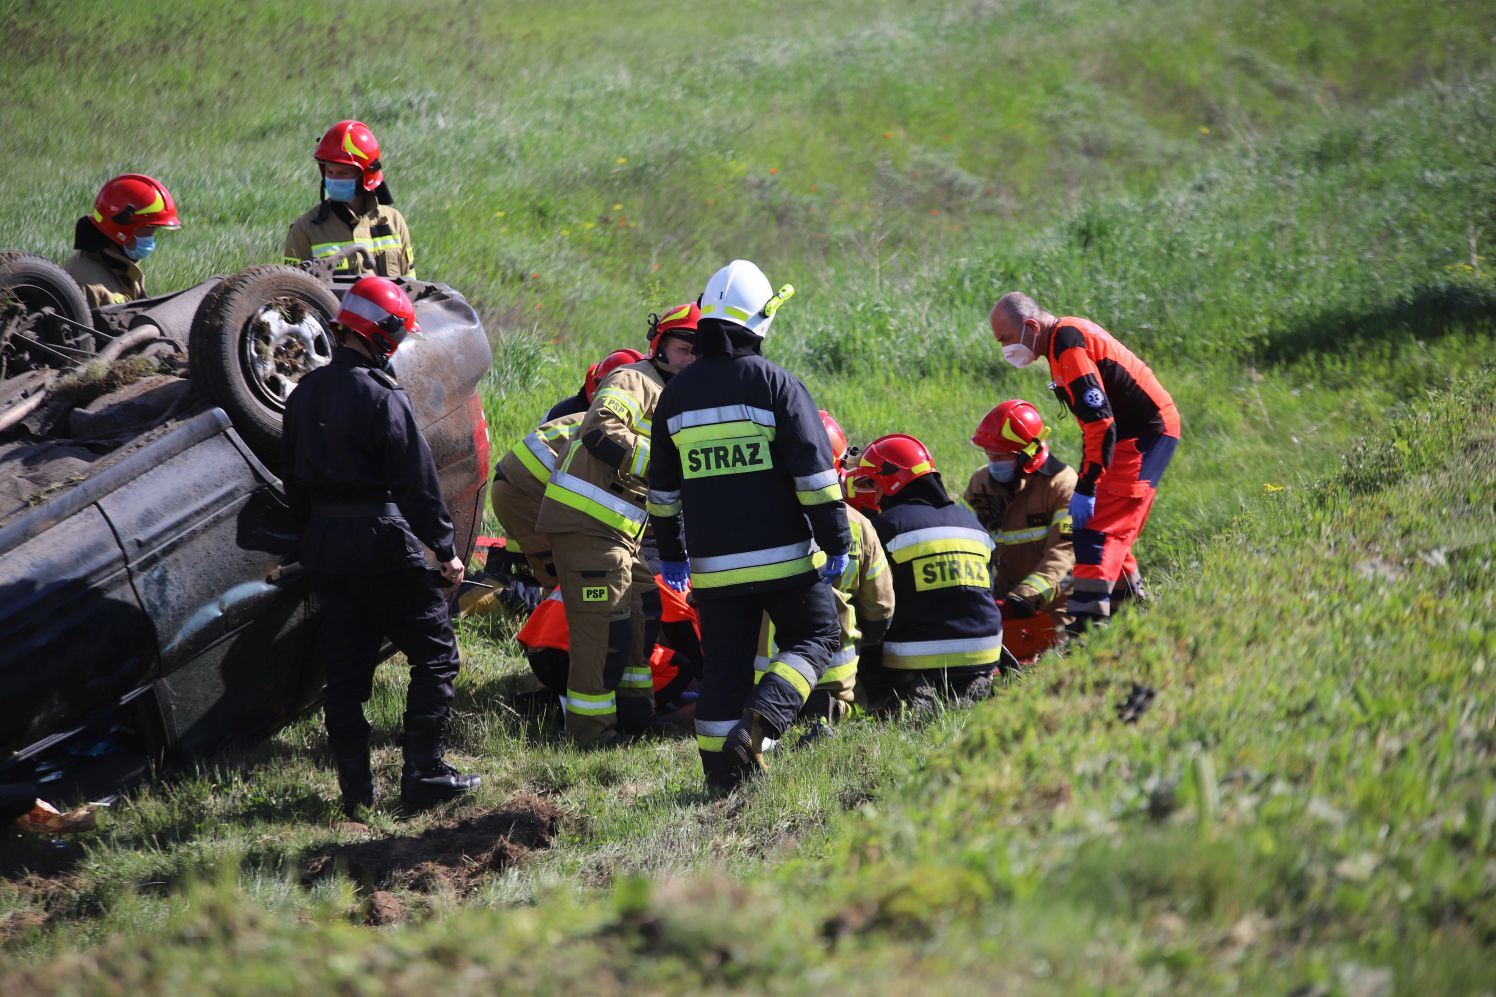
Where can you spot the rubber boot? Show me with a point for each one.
(745, 742)
(427, 779)
(355, 777)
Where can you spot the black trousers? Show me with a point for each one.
(357, 613)
(807, 634)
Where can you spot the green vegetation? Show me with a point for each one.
(1285, 208)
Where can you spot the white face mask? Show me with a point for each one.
(1019, 355)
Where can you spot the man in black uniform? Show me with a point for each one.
(362, 475)
(947, 633)
(741, 454)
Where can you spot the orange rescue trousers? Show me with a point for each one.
(1124, 497)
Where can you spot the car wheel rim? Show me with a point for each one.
(285, 341)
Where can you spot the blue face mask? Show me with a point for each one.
(144, 246)
(1002, 470)
(340, 190)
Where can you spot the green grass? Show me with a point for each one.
(1286, 209)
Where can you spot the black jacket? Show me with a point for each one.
(569, 405)
(350, 447)
(939, 554)
(739, 452)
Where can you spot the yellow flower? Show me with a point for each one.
(617, 207)
(1269, 488)
(621, 160)
(1204, 129)
(588, 225)
(498, 214)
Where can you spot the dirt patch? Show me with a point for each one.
(456, 856)
(20, 921)
(385, 908)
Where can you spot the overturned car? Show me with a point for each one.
(150, 606)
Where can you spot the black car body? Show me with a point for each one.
(150, 605)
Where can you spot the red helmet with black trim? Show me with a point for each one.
(131, 201)
(377, 311)
(681, 320)
(891, 462)
(1014, 427)
(598, 372)
(352, 144)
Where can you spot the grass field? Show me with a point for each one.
(1285, 209)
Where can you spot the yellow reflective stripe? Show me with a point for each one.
(96, 216)
(704, 743)
(352, 149)
(637, 678)
(577, 494)
(632, 413)
(792, 675)
(662, 510)
(741, 576)
(639, 465)
(1063, 516)
(679, 313)
(735, 312)
(907, 546)
(957, 653)
(1010, 537)
(951, 546)
(879, 566)
(720, 431)
(531, 462)
(820, 496)
(1038, 583)
(591, 705)
(839, 674)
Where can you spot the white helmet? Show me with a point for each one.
(740, 293)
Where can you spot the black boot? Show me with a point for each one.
(355, 777)
(427, 779)
(745, 742)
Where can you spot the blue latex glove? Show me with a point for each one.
(834, 568)
(677, 574)
(1081, 508)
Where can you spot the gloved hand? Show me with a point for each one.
(677, 574)
(834, 568)
(1081, 508)
(1018, 607)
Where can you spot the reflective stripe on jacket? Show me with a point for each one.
(329, 228)
(586, 492)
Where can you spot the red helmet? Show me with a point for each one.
(891, 462)
(838, 438)
(680, 320)
(598, 372)
(1014, 427)
(127, 202)
(351, 143)
(378, 312)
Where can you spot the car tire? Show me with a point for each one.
(39, 283)
(253, 338)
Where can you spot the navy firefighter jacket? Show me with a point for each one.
(940, 556)
(740, 458)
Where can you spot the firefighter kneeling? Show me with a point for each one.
(947, 635)
(1022, 497)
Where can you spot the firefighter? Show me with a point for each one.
(361, 475)
(121, 232)
(864, 606)
(355, 208)
(744, 465)
(1022, 498)
(947, 636)
(520, 478)
(594, 514)
(1131, 429)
